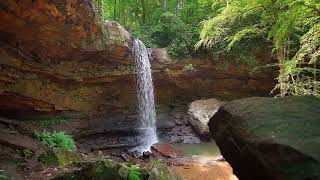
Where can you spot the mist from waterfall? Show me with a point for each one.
(147, 114)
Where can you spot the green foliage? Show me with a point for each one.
(59, 157)
(56, 139)
(171, 24)
(24, 153)
(134, 173)
(162, 172)
(156, 162)
(241, 27)
(235, 30)
(183, 44)
(298, 69)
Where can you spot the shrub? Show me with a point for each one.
(170, 33)
(134, 173)
(56, 139)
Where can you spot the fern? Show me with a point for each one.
(245, 23)
(249, 32)
(56, 139)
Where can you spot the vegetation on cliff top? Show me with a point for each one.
(290, 29)
(232, 29)
(171, 24)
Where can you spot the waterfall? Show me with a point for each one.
(147, 114)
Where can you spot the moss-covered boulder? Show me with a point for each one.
(162, 172)
(106, 169)
(270, 138)
(59, 157)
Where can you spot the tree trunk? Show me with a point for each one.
(281, 54)
(144, 11)
(123, 12)
(115, 10)
(315, 85)
(165, 5)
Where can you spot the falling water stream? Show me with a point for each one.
(147, 115)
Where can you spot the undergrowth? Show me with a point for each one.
(56, 139)
(134, 173)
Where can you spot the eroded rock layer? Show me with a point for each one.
(59, 56)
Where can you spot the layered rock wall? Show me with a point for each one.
(59, 56)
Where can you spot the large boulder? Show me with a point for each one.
(270, 138)
(200, 112)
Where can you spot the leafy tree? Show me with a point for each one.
(171, 24)
(243, 25)
(234, 29)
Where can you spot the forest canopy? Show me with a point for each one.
(288, 29)
(171, 24)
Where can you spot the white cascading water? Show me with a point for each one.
(147, 114)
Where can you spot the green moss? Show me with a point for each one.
(134, 173)
(59, 157)
(162, 172)
(24, 153)
(106, 169)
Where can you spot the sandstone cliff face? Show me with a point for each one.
(55, 31)
(59, 56)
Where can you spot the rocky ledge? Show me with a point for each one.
(265, 138)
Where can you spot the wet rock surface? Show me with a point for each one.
(267, 138)
(165, 150)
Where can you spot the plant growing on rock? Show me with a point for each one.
(134, 173)
(24, 153)
(56, 139)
